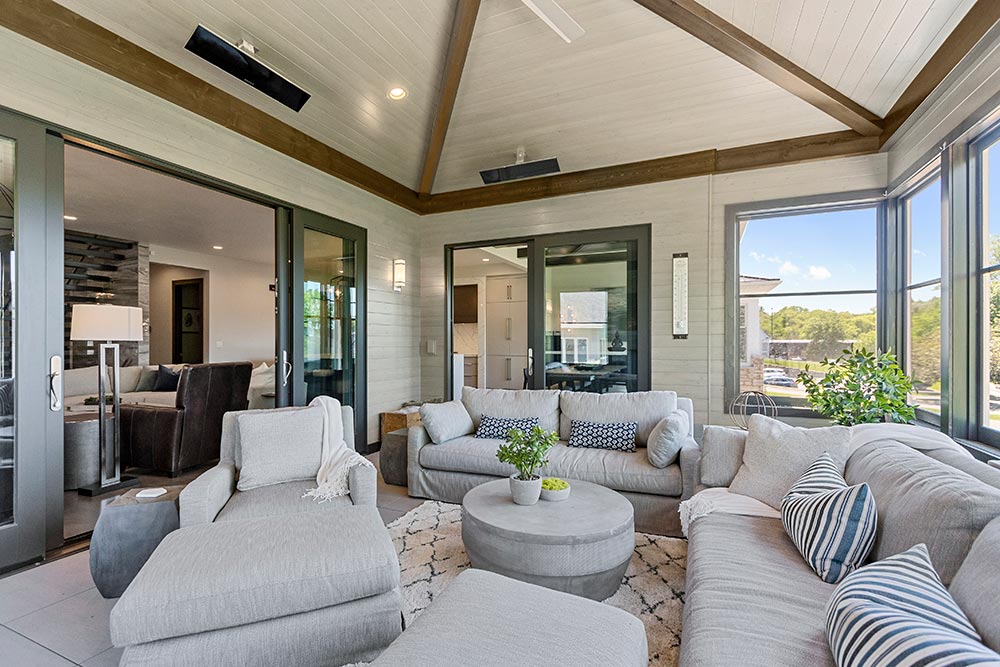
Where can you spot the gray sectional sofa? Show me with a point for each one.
(447, 470)
(751, 598)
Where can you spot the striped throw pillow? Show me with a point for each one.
(897, 612)
(497, 428)
(832, 524)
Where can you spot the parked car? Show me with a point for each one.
(781, 381)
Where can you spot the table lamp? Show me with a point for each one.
(111, 324)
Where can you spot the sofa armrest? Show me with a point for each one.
(721, 454)
(151, 437)
(416, 439)
(203, 499)
(362, 480)
(690, 459)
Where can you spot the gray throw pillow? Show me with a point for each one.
(147, 379)
(446, 421)
(667, 438)
(777, 455)
(279, 446)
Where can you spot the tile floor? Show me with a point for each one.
(52, 614)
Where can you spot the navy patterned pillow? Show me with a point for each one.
(497, 428)
(619, 437)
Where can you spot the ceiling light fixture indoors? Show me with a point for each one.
(396, 93)
(69, 217)
(486, 259)
(217, 247)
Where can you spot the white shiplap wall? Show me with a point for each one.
(686, 216)
(42, 83)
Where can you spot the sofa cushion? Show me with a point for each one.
(147, 379)
(128, 377)
(896, 613)
(776, 455)
(976, 586)
(618, 436)
(721, 454)
(645, 408)
(280, 446)
(222, 575)
(921, 500)
(498, 428)
(167, 379)
(81, 381)
(541, 403)
(445, 421)
(615, 470)
(832, 525)
(667, 438)
(750, 598)
(277, 499)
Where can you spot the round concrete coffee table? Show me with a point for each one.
(581, 545)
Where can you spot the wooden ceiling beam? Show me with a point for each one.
(710, 28)
(458, 50)
(701, 163)
(977, 22)
(65, 31)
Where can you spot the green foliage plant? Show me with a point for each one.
(860, 387)
(527, 451)
(554, 484)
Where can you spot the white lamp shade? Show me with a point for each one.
(106, 322)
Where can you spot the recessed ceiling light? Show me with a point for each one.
(486, 259)
(217, 247)
(69, 217)
(396, 93)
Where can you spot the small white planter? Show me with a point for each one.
(525, 492)
(554, 495)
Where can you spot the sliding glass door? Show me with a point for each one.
(322, 346)
(562, 311)
(30, 341)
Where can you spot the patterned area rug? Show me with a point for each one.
(429, 542)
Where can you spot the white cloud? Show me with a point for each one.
(757, 256)
(818, 273)
(788, 269)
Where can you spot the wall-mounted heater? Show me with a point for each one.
(520, 169)
(240, 62)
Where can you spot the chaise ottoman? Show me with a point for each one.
(300, 589)
(487, 620)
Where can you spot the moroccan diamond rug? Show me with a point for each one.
(429, 542)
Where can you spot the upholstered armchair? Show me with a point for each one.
(172, 439)
(214, 497)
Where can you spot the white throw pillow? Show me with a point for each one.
(279, 446)
(776, 455)
(667, 438)
(446, 421)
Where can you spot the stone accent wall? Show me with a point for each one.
(752, 376)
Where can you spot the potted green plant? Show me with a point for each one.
(526, 452)
(555, 489)
(860, 387)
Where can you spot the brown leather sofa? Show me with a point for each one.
(172, 439)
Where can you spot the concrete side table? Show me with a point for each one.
(392, 457)
(127, 532)
(581, 545)
(81, 450)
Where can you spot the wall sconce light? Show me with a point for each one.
(398, 275)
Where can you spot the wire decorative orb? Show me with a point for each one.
(751, 403)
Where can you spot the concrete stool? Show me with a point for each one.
(127, 531)
(392, 457)
(488, 620)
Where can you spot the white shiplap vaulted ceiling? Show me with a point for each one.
(633, 87)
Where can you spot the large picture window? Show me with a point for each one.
(807, 291)
(989, 265)
(921, 211)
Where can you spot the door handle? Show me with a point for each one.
(510, 323)
(508, 370)
(531, 362)
(286, 367)
(55, 383)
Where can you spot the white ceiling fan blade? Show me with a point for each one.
(556, 18)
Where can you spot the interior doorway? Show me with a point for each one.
(188, 321)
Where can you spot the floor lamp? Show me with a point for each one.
(113, 324)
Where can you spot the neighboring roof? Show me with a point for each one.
(751, 285)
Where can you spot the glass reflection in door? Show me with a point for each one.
(7, 449)
(330, 316)
(591, 317)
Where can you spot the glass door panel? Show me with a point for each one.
(7, 422)
(591, 317)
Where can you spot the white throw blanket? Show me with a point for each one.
(721, 500)
(338, 459)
